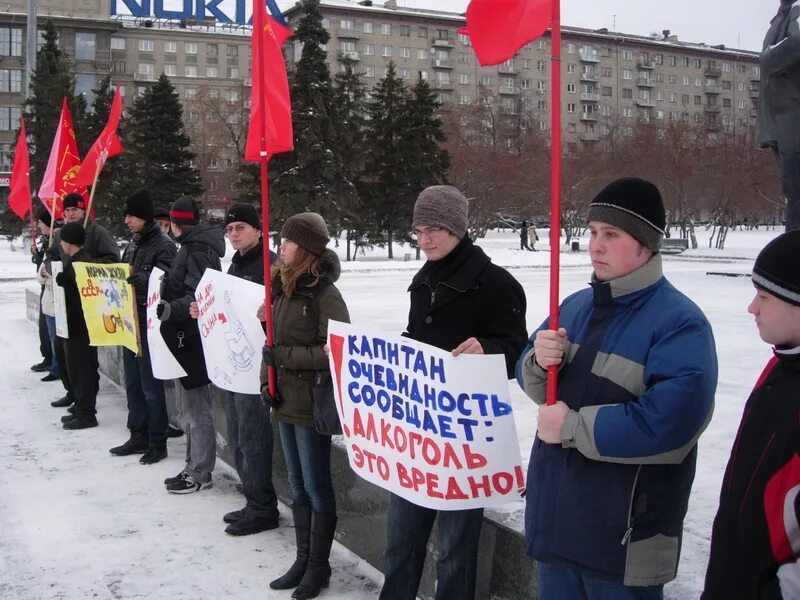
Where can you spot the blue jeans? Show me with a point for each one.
(147, 404)
(408, 529)
(564, 582)
(51, 332)
(251, 441)
(308, 464)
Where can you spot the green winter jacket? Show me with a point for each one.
(301, 332)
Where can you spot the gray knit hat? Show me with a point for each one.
(442, 206)
(308, 230)
(635, 206)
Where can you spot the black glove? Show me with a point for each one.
(60, 279)
(268, 400)
(268, 356)
(162, 310)
(138, 280)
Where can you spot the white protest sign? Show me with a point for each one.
(162, 361)
(231, 333)
(59, 301)
(433, 429)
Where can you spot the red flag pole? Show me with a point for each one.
(97, 170)
(555, 186)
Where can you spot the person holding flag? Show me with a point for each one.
(613, 461)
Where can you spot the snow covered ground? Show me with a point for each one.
(78, 523)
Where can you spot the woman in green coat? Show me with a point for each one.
(302, 307)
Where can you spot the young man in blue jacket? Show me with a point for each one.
(613, 461)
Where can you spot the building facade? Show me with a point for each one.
(608, 77)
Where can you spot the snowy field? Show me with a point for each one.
(78, 523)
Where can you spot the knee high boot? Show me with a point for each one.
(318, 571)
(302, 533)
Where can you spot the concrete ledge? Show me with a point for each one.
(504, 571)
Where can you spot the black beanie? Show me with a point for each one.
(161, 213)
(73, 200)
(44, 216)
(244, 213)
(777, 268)
(635, 206)
(308, 230)
(139, 205)
(73, 233)
(184, 211)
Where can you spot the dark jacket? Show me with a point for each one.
(301, 332)
(147, 250)
(778, 121)
(250, 266)
(201, 249)
(76, 324)
(99, 245)
(464, 295)
(753, 531)
(639, 377)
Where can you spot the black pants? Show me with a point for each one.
(60, 346)
(83, 376)
(789, 162)
(45, 347)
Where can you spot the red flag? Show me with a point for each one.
(62, 167)
(19, 198)
(499, 28)
(105, 146)
(270, 128)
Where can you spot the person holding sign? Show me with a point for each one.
(755, 543)
(147, 404)
(303, 305)
(248, 424)
(202, 246)
(460, 301)
(81, 357)
(613, 461)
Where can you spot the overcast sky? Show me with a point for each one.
(735, 23)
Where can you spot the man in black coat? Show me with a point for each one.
(778, 122)
(202, 246)
(147, 406)
(81, 358)
(461, 302)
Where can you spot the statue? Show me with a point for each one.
(778, 123)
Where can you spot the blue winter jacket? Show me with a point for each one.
(639, 377)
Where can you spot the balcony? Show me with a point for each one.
(588, 117)
(644, 82)
(506, 70)
(348, 34)
(354, 56)
(713, 90)
(508, 90)
(754, 93)
(645, 103)
(144, 76)
(589, 57)
(754, 113)
(590, 97)
(713, 72)
(646, 64)
(755, 77)
(443, 85)
(443, 63)
(589, 77)
(443, 44)
(712, 109)
(590, 137)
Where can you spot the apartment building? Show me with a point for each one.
(610, 79)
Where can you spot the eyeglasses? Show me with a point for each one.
(425, 231)
(240, 228)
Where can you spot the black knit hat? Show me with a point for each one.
(184, 211)
(244, 213)
(73, 200)
(635, 206)
(139, 205)
(160, 212)
(442, 206)
(44, 216)
(777, 268)
(308, 230)
(73, 233)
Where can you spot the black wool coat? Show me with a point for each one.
(464, 295)
(147, 250)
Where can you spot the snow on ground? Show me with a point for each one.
(78, 523)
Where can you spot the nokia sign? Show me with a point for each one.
(223, 11)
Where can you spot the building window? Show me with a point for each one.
(386, 50)
(698, 100)
(347, 47)
(463, 78)
(405, 30)
(627, 112)
(571, 107)
(212, 50)
(422, 32)
(405, 74)
(570, 67)
(487, 80)
(146, 71)
(233, 72)
(367, 26)
(145, 45)
(346, 24)
(190, 47)
(607, 91)
(606, 72)
(686, 80)
(697, 63)
(627, 55)
(464, 99)
(85, 45)
(118, 66)
(464, 39)
(212, 72)
(571, 88)
(190, 93)
(10, 41)
(726, 102)
(369, 49)
(232, 52)
(627, 93)
(627, 74)
(526, 84)
(170, 47)
(117, 43)
(421, 54)
(190, 70)
(9, 117)
(540, 86)
(671, 61)
(405, 52)
(685, 62)
(542, 44)
(170, 70)
(386, 29)
(369, 71)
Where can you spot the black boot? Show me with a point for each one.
(154, 454)
(63, 402)
(302, 533)
(136, 444)
(318, 571)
